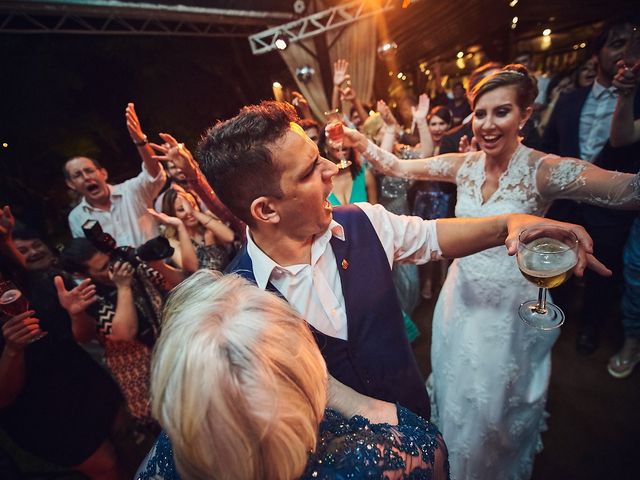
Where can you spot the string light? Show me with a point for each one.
(546, 32)
(513, 3)
(400, 74)
(460, 54)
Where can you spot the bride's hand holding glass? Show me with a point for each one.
(334, 130)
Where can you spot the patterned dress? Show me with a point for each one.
(130, 362)
(348, 449)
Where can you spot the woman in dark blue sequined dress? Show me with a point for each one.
(239, 386)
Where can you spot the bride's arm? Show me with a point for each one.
(574, 179)
(441, 167)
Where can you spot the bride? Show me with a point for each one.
(490, 370)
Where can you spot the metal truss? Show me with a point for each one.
(118, 18)
(317, 23)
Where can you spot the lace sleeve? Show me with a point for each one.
(441, 167)
(569, 178)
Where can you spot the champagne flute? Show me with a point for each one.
(335, 136)
(546, 257)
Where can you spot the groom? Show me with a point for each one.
(334, 265)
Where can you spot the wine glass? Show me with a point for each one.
(546, 257)
(335, 136)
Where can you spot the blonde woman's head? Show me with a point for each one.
(237, 381)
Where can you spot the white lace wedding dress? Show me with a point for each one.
(490, 370)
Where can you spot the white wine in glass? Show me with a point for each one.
(546, 257)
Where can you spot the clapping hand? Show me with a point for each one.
(77, 299)
(21, 330)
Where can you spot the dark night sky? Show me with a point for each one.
(64, 95)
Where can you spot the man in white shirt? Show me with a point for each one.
(270, 175)
(121, 209)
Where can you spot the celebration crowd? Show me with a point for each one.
(297, 362)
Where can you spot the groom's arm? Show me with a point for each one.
(459, 237)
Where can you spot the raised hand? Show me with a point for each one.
(121, 274)
(7, 222)
(178, 154)
(340, 74)
(422, 110)
(164, 218)
(21, 330)
(133, 124)
(385, 112)
(77, 299)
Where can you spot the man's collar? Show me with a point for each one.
(599, 90)
(263, 265)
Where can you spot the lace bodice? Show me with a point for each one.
(517, 190)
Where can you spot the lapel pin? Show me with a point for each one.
(345, 264)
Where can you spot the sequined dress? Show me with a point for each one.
(491, 371)
(353, 448)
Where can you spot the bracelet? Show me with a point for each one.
(207, 222)
(141, 143)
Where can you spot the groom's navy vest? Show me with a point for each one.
(376, 360)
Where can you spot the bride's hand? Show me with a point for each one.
(355, 139)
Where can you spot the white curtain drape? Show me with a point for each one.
(356, 43)
(295, 56)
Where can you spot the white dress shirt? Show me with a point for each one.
(127, 219)
(595, 120)
(315, 291)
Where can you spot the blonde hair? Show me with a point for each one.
(237, 381)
